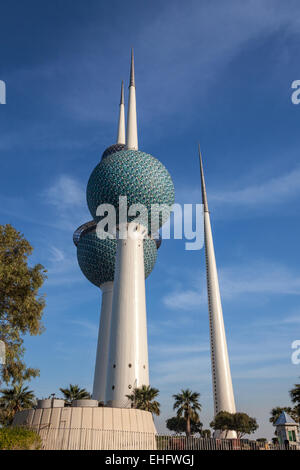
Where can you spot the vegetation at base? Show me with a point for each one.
(294, 413)
(21, 306)
(14, 399)
(241, 423)
(206, 433)
(295, 397)
(178, 425)
(188, 407)
(74, 392)
(17, 438)
(143, 398)
(276, 412)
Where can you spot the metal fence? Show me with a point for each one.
(97, 439)
(198, 443)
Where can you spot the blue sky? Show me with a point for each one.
(218, 72)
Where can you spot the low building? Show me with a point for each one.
(287, 430)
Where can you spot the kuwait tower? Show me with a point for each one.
(221, 375)
(124, 179)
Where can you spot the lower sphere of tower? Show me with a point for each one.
(96, 257)
(137, 175)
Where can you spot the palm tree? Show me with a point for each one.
(74, 393)
(188, 406)
(276, 412)
(15, 399)
(143, 399)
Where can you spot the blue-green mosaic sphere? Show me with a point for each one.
(96, 257)
(135, 174)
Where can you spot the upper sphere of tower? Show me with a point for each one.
(96, 257)
(112, 149)
(135, 174)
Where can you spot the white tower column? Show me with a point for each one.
(128, 359)
(131, 134)
(221, 375)
(100, 376)
(121, 125)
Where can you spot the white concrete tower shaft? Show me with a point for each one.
(100, 376)
(128, 358)
(121, 139)
(221, 375)
(128, 361)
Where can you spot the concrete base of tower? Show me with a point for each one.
(223, 435)
(90, 427)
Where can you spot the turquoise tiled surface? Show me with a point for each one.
(132, 173)
(96, 257)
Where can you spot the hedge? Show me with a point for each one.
(17, 438)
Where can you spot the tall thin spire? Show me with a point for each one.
(132, 78)
(203, 189)
(221, 375)
(121, 126)
(132, 137)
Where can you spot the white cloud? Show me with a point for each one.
(66, 192)
(86, 328)
(184, 299)
(261, 277)
(57, 254)
(179, 349)
(292, 319)
(67, 196)
(273, 191)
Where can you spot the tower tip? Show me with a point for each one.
(132, 135)
(132, 78)
(203, 188)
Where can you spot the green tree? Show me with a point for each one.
(74, 392)
(21, 306)
(15, 399)
(143, 398)
(239, 422)
(223, 421)
(276, 412)
(206, 433)
(188, 407)
(178, 425)
(244, 424)
(295, 397)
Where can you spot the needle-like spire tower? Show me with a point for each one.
(221, 375)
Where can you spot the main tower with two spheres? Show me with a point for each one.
(120, 265)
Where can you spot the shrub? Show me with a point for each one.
(17, 438)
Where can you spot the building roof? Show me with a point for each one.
(284, 418)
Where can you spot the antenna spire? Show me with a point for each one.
(203, 189)
(121, 126)
(132, 137)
